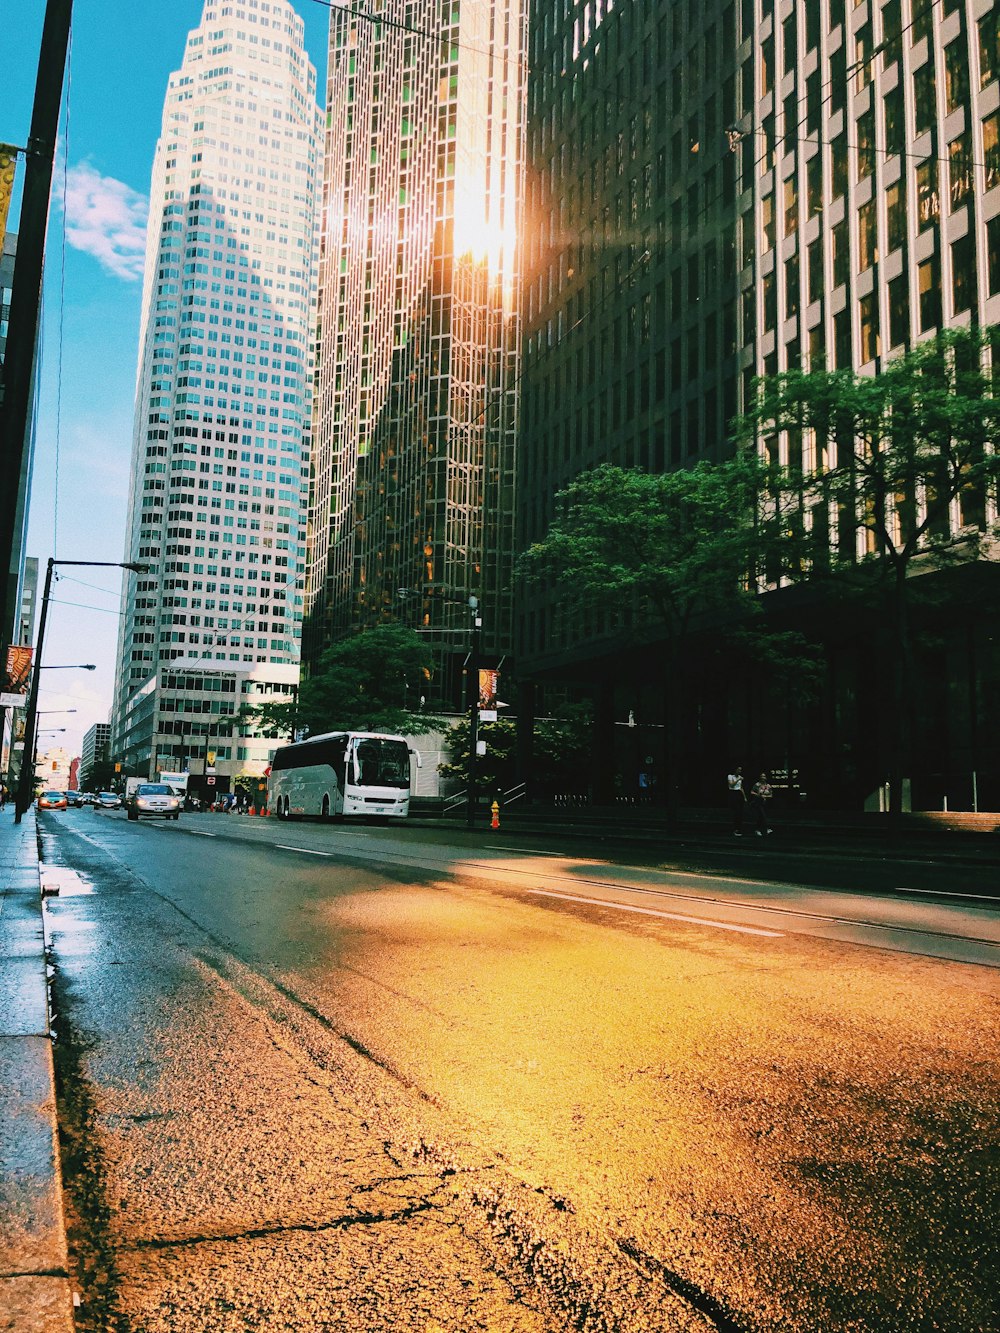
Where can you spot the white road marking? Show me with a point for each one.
(668, 916)
(526, 851)
(947, 893)
(304, 850)
(200, 833)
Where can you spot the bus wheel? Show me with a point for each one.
(325, 813)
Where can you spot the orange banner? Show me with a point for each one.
(8, 169)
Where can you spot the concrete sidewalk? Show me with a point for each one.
(35, 1288)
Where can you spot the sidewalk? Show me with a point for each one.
(960, 836)
(35, 1290)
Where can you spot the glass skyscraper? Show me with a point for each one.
(221, 448)
(417, 396)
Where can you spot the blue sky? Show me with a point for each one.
(122, 55)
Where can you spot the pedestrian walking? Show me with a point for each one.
(3, 796)
(760, 793)
(737, 799)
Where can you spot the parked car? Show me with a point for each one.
(108, 800)
(52, 800)
(75, 798)
(89, 797)
(154, 798)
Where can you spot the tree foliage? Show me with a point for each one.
(897, 476)
(892, 454)
(560, 753)
(669, 545)
(373, 681)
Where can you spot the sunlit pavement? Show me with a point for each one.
(350, 1077)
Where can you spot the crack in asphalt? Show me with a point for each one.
(570, 1268)
(300, 1228)
(696, 1296)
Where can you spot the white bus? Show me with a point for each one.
(341, 773)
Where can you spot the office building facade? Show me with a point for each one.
(95, 748)
(723, 191)
(224, 391)
(417, 393)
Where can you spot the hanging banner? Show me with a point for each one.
(17, 668)
(8, 169)
(488, 682)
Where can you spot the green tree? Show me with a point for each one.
(905, 463)
(562, 746)
(680, 550)
(372, 681)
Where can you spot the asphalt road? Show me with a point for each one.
(325, 1078)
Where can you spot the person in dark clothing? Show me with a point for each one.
(760, 794)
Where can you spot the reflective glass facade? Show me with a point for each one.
(417, 393)
(224, 394)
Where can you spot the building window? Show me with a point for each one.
(841, 254)
(899, 311)
(929, 289)
(923, 96)
(963, 274)
(791, 206)
(842, 340)
(959, 170)
(816, 270)
(928, 203)
(770, 303)
(767, 221)
(866, 144)
(956, 75)
(838, 165)
(895, 215)
(991, 150)
(792, 287)
(993, 257)
(867, 236)
(814, 184)
(870, 343)
(895, 120)
(989, 47)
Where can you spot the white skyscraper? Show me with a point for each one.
(220, 461)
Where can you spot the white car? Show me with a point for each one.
(154, 798)
(108, 800)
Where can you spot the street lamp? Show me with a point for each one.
(26, 783)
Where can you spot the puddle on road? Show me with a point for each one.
(64, 882)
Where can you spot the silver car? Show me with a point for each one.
(154, 798)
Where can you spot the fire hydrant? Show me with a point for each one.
(495, 810)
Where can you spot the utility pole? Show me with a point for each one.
(22, 326)
(473, 697)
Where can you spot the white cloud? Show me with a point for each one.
(107, 219)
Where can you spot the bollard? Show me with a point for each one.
(495, 810)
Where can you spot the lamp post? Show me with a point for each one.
(473, 697)
(472, 683)
(24, 786)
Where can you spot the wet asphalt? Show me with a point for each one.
(313, 1093)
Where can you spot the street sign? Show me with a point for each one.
(210, 781)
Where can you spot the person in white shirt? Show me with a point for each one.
(737, 799)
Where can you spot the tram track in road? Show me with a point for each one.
(362, 848)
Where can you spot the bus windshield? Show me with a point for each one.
(381, 763)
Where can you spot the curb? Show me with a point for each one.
(35, 1287)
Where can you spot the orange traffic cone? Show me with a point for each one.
(253, 810)
(263, 811)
